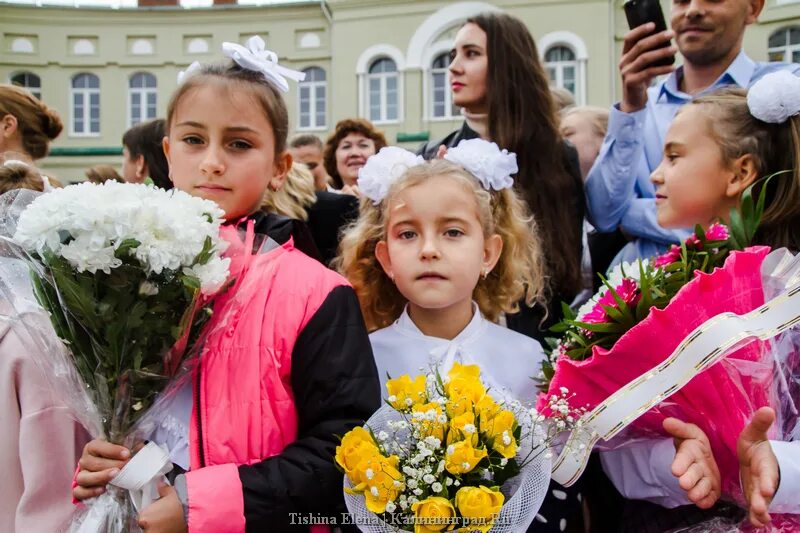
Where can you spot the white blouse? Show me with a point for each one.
(508, 360)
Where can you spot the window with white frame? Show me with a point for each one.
(383, 91)
(29, 81)
(441, 96)
(784, 45)
(312, 93)
(142, 96)
(562, 68)
(85, 98)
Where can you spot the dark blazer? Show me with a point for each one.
(326, 220)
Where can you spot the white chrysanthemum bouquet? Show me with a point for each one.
(444, 454)
(121, 268)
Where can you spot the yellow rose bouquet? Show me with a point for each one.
(443, 454)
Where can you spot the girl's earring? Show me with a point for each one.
(484, 273)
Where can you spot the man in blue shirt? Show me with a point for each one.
(708, 34)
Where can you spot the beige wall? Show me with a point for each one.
(349, 27)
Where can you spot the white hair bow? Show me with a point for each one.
(191, 69)
(775, 98)
(257, 58)
(486, 161)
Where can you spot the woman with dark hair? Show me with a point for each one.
(143, 155)
(347, 150)
(500, 84)
(497, 79)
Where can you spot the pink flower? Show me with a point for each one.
(669, 257)
(693, 243)
(628, 291)
(717, 232)
(596, 316)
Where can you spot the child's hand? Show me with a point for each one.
(694, 463)
(164, 515)
(758, 466)
(99, 463)
(440, 153)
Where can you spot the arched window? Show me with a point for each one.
(85, 99)
(22, 45)
(562, 68)
(382, 90)
(312, 99)
(197, 45)
(30, 81)
(142, 95)
(83, 47)
(142, 47)
(441, 96)
(784, 45)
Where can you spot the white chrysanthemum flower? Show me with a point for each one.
(391, 507)
(448, 481)
(429, 479)
(86, 224)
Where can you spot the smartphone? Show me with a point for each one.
(640, 12)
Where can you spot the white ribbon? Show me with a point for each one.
(256, 57)
(140, 477)
(191, 69)
(707, 344)
(142, 474)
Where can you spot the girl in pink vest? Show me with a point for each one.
(288, 366)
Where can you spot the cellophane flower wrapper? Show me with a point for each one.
(522, 477)
(721, 399)
(126, 274)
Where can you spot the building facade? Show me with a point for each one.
(105, 69)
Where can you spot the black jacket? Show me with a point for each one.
(326, 219)
(280, 228)
(531, 321)
(336, 387)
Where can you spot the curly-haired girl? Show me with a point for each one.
(439, 252)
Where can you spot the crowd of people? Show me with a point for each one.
(447, 262)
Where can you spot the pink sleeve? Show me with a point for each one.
(216, 502)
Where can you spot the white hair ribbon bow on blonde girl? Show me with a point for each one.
(383, 169)
(257, 58)
(484, 160)
(775, 98)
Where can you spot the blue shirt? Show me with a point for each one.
(618, 188)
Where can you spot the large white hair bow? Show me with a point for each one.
(383, 169)
(775, 97)
(484, 160)
(256, 57)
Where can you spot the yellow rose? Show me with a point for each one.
(429, 428)
(486, 408)
(356, 446)
(462, 458)
(464, 371)
(465, 386)
(381, 482)
(433, 514)
(403, 392)
(480, 505)
(458, 406)
(500, 431)
(462, 427)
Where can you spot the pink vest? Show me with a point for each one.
(244, 410)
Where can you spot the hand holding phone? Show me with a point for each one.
(647, 52)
